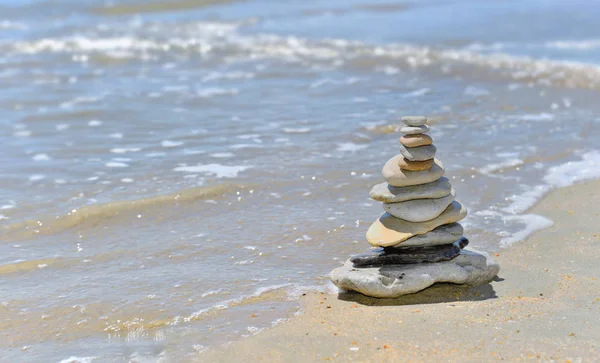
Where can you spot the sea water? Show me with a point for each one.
(174, 174)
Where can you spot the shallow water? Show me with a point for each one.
(175, 173)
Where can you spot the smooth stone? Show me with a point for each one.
(419, 210)
(396, 256)
(416, 140)
(403, 178)
(414, 120)
(420, 153)
(408, 165)
(388, 230)
(414, 130)
(469, 268)
(442, 235)
(386, 193)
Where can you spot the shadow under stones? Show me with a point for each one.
(435, 294)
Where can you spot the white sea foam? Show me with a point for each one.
(202, 39)
(95, 123)
(491, 168)
(544, 116)
(170, 143)
(476, 91)
(12, 25)
(417, 93)
(296, 130)
(74, 359)
(218, 170)
(213, 92)
(556, 177)
(226, 304)
(37, 177)
(350, 146)
(217, 76)
(214, 292)
(40, 157)
(116, 164)
(79, 100)
(532, 222)
(245, 146)
(524, 201)
(123, 150)
(574, 44)
(575, 171)
(222, 155)
(249, 136)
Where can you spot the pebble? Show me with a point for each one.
(416, 140)
(395, 256)
(414, 130)
(419, 210)
(406, 164)
(402, 178)
(392, 281)
(414, 120)
(386, 193)
(443, 234)
(389, 231)
(420, 153)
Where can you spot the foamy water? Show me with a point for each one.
(172, 180)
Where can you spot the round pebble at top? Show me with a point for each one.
(414, 120)
(414, 130)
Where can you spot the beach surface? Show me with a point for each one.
(544, 305)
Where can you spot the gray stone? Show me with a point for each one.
(420, 153)
(469, 268)
(419, 210)
(403, 256)
(386, 193)
(414, 130)
(403, 178)
(414, 120)
(442, 235)
(388, 231)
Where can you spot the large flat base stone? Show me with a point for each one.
(468, 268)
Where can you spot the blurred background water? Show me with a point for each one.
(175, 173)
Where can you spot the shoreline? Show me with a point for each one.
(544, 305)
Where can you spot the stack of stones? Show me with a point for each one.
(418, 230)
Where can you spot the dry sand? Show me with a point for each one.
(544, 306)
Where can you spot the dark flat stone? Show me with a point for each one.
(410, 255)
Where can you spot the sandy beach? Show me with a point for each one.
(544, 306)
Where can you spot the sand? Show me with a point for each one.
(544, 305)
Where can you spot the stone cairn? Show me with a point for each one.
(417, 241)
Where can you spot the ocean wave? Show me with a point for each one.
(218, 170)
(133, 8)
(11, 25)
(556, 177)
(224, 40)
(574, 44)
(96, 212)
(268, 293)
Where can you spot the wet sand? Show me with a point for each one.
(544, 305)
